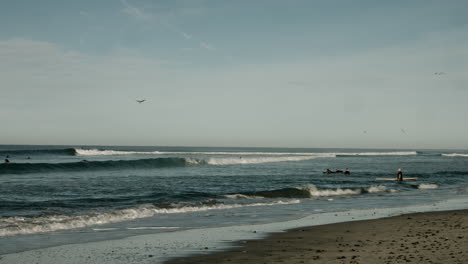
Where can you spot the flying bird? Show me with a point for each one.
(439, 73)
(403, 131)
(141, 101)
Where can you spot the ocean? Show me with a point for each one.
(56, 195)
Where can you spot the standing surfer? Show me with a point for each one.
(399, 175)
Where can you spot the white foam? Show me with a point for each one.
(97, 152)
(256, 160)
(377, 189)
(242, 196)
(315, 192)
(393, 153)
(152, 227)
(104, 229)
(426, 186)
(21, 225)
(455, 155)
(253, 153)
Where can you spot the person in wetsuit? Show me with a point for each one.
(347, 172)
(399, 175)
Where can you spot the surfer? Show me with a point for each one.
(347, 172)
(338, 171)
(329, 171)
(7, 161)
(399, 175)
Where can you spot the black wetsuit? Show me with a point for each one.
(400, 176)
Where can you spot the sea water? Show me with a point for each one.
(55, 195)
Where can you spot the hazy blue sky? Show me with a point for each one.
(297, 73)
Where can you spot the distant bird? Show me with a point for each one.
(141, 101)
(439, 73)
(403, 131)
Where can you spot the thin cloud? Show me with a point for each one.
(142, 15)
(185, 35)
(207, 46)
(135, 12)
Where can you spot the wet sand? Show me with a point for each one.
(436, 237)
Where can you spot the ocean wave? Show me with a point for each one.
(393, 153)
(242, 196)
(103, 152)
(112, 152)
(454, 155)
(10, 226)
(21, 168)
(256, 160)
(98, 152)
(307, 191)
(426, 186)
(316, 192)
(32, 152)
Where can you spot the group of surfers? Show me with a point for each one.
(346, 171)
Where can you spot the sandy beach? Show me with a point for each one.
(435, 237)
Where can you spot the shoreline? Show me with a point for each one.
(429, 237)
(205, 242)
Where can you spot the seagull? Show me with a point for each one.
(403, 131)
(141, 101)
(439, 73)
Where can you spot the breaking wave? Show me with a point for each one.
(454, 155)
(97, 152)
(21, 168)
(10, 226)
(308, 191)
(255, 160)
(426, 186)
(394, 153)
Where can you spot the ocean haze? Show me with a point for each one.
(218, 73)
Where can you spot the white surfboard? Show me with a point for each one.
(394, 179)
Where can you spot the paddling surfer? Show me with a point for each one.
(399, 175)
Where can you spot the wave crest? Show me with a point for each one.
(10, 226)
(307, 191)
(426, 186)
(98, 152)
(455, 155)
(392, 153)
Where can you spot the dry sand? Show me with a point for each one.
(436, 237)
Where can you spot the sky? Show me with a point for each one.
(257, 73)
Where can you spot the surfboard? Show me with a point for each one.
(394, 179)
